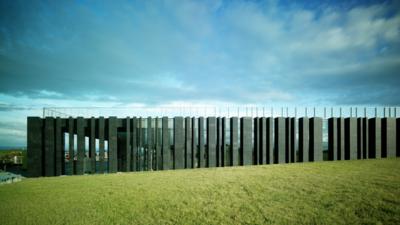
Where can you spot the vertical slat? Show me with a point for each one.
(293, 140)
(224, 158)
(101, 130)
(179, 144)
(188, 143)
(92, 145)
(134, 138)
(201, 159)
(35, 146)
(218, 155)
(365, 138)
(270, 140)
(59, 148)
(80, 131)
(256, 135)
(397, 137)
(288, 140)
(194, 153)
(332, 139)
(158, 144)
(375, 146)
(262, 153)
(150, 147)
(360, 138)
(315, 139)
(166, 153)
(112, 145)
(71, 150)
(246, 141)
(303, 139)
(280, 144)
(341, 142)
(350, 138)
(211, 141)
(128, 156)
(234, 145)
(388, 137)
(140, 145)
(49, 147)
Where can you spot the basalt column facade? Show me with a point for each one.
(75, 146)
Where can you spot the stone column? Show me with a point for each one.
(80, 131)
(246, 141)
(134, 138)
(194, 153)
(280, 140)
(304, 139)
(332, 139)
(59, 148)
(388, 137)
(201, 159)
(92, 145)
(262, 153)
(341, 143)
(234, 146)
(112, 145)
(270, 140)
(350, 138)
(101, 130)
(188, 143)
(179, 144)
(211, 141)
(35, 145)
(315, 139)
(166, 152)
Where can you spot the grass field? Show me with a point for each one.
(343, 192)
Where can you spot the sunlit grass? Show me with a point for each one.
(343, 192)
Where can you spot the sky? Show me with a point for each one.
(171, 53)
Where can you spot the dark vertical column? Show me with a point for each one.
(365, 138)
(188, 143)
(134, 137)
(128, 157)
(246, 150)
(280, 140)
(179, 144)
(80, 131)
(256, 135)
(59, 148)
(202, 160)
(332, 138)
(304, 139)
(374, 125)
(288, 140)
(211, 142)
(270, 140)
(218, 154)
(194, 145)
(49, 147)
(293, 142)
(35, 146)
(350, 138)
(149, 158)
(315, 153)
(101, 130)
(262, 153)
(112, 145)
(140, 145)
(398, 137)
(340, 123)
(388, 137)
(92, 145)
(158, 144)
(224, 153)
(71, 150)
(234, 145)
(360, 138)
(166, 153)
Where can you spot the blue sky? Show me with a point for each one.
(128, 53)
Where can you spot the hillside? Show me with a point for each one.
(341, 192)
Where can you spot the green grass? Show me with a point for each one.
(343, 192)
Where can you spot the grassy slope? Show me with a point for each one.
(350, 192)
